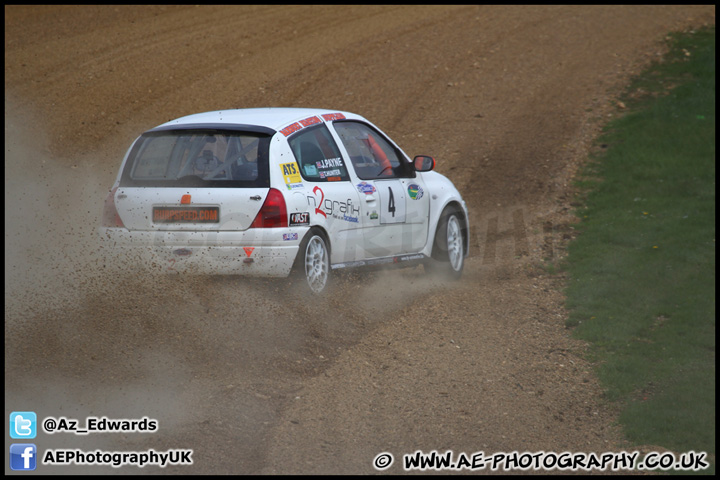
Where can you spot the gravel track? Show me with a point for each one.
(247, 373)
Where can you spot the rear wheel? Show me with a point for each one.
(313, 262)
(449, 249)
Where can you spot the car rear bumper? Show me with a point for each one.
(267, 253)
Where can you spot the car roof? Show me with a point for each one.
(269, 119)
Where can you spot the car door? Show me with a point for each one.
(331, 199)
(393, 204)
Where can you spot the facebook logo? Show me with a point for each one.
(23, 425)
(23, 456)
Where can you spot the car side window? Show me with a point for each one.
(372, 156)
(318, 155)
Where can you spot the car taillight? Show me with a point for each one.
(110, 216)
(273, 212)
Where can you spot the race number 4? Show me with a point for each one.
(392, 201)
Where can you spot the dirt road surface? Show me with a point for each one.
(251, 377)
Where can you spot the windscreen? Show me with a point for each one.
(198, 158)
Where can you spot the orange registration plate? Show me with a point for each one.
(186, 214)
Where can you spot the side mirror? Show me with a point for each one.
(423, 163)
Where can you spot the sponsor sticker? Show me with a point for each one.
(306, 122)
(415, 191)
(291, 173)
(366, 188)
(299, 219)
(333, 116)
(189, 214)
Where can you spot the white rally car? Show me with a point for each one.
(270, 191)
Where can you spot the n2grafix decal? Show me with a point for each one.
(334, 208)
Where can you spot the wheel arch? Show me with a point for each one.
(453, 206)
(299, 265)
(322, 231)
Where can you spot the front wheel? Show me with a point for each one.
(313, 262)
(449, 249)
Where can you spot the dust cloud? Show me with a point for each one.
(86, 337)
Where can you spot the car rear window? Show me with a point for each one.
(198, 158)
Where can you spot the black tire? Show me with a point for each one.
(448, 256)
(312, 265)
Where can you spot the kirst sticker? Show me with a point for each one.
(299, 219)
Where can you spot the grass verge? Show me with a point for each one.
(641, 286)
